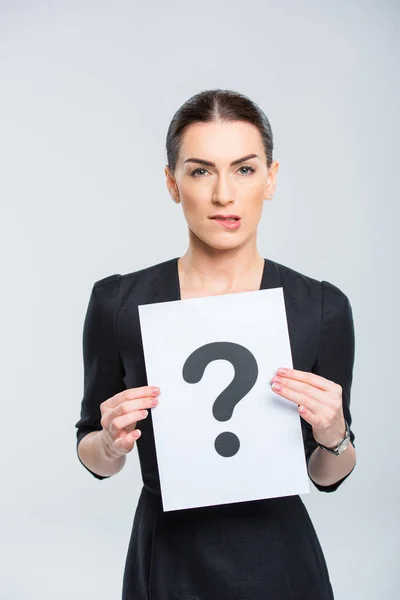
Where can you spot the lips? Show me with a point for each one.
(227, 221)
(226, 217)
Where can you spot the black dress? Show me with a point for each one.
(256, 550)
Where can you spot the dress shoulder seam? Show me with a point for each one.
(108, 279)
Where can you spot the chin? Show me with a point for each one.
(228, 245)
(224, 242)
(220, 240)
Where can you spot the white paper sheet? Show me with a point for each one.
(268, 460)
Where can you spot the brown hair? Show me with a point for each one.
(213, 105)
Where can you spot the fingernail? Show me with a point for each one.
(281, 371)
(154, 401)
(276, 386)
(155, 391)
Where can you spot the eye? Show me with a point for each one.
(252, 170)
(196, 171)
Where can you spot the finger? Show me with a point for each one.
(126, 408)
(126, 442)
(299, 398)
(301, 388)
(131, 394)
(130, 428)
(129, 405)
(306, 377)
(119, 423)
(308, 416)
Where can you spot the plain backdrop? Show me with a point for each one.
(88, 89)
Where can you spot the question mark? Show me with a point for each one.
(246, 372)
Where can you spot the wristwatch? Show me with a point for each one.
(342, 445)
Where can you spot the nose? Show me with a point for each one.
(222, 195)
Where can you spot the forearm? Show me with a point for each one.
(94, 453)
(325, 468)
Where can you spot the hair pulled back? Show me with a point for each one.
(216, 105)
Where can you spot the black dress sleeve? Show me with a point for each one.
(335, 359)
(103, 370)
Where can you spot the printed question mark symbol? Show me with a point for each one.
(246, 372)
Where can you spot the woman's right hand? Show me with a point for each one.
(120, 415)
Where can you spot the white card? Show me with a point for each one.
(213, 449)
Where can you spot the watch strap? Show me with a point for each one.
(336, 450)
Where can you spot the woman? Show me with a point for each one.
(220, 168)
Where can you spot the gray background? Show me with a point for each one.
(87, 92)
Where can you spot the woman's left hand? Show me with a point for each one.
(319, 401)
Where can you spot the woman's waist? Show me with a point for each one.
(282, 506)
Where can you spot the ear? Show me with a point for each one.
(271, 180)
(175, 196)
(171, 185)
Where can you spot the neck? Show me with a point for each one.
(210, 268)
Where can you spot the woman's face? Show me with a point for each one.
(207, 183)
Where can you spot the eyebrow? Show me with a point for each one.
(211, 164)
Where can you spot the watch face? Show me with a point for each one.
(344, 445)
